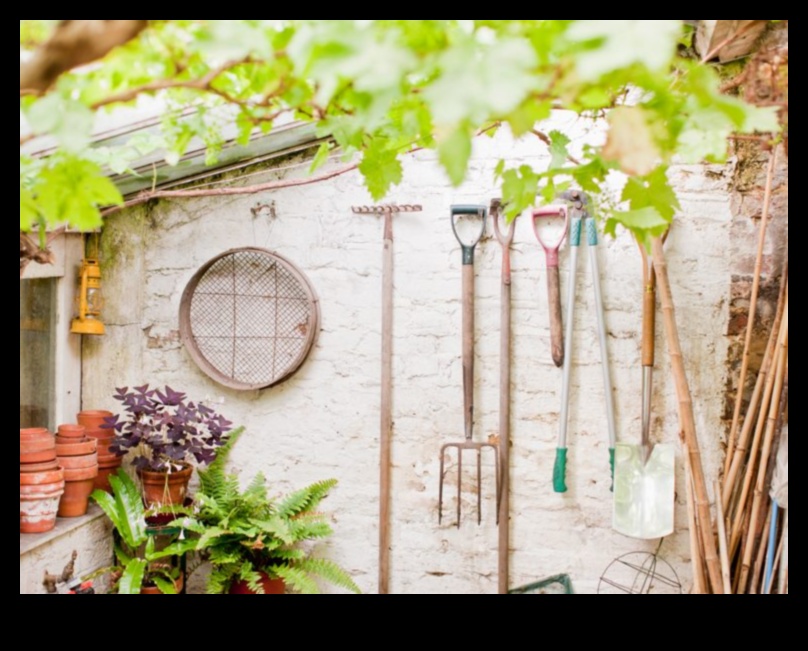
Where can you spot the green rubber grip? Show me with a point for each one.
(560, 471)
(591, 232)
(611, 463)
(575, 232)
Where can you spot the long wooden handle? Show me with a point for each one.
(687, 421)
(386, 424)
(556, 324)
(468, 349)
(504, 433)
(648, 325)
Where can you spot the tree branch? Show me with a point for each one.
(143, 197)
(72, 44)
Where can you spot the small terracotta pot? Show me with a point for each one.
(34, 434)
(39, 467)
(93, 419)
(76, 447)
(70, 431)
(79, 483)
(39, 500)
(80, 461)
(165, 487)
(270, 586)
(37, 451)
(153, 589)
(107, 465)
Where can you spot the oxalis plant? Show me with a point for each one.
(166, 430)
(247, 533)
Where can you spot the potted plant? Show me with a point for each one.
(144, 565)
(256, 544)
(168, 435)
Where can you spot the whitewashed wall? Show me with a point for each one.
(323, 422)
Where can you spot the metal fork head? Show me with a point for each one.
(461, 447)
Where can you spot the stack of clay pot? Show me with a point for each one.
(76, 454)
(42, 481)
(108, 462)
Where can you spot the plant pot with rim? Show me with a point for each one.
(166, 435)
(267, 583)
(39, 499)
(141, 561)
(255, 542)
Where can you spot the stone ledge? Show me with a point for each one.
(31, 541)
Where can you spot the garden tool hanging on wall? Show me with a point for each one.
(579, 207)
(644, 482)
(468, 225)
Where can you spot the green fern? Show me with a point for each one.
(245, 533)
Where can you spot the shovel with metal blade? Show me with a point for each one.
(644, 483)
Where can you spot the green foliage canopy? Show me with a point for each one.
(382, 88)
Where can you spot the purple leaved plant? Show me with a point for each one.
(165, 430)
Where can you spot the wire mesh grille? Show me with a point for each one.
(252, 318)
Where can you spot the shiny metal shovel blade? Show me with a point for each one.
(644, 492)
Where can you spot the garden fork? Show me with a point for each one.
(478, 213)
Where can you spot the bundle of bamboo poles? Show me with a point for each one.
(749, 527)
(745, 546)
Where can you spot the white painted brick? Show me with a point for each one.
(323, 422)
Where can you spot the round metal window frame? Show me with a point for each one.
(189, 340)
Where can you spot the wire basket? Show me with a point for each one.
(558, 584)
(249, 318)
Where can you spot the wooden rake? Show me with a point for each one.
(386, 422)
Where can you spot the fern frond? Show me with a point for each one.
(330, 571)
(297, 579)
(305, 499)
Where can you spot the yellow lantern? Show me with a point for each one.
(90, 300)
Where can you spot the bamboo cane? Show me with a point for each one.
(723, 544)
(736, 577)
(764, 220)
(741, 448)
(695, 547)
(687, 421)
(782, 587)
(760, 542)
(767, 587)
(771, 423)
(771, 400)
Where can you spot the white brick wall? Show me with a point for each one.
(323, 422)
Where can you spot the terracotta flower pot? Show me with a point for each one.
(79, 483)
(79, 461)
(153, 589)
(93, 419)
(39, 467)
(39, 500)
(270, 586)
(103, 441)
(70, 431)
(107, 465)
(37, 450)
(34, 433)
(165, 487)
(75, 447)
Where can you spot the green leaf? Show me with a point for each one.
(518, 189)
(70, 122)
(28, 210)
(320, 157)
(704, 136)
(558, 149)
(454, 153)
(644, 223)
(524, 118)
(164, 585)
(652, 191)
(381, 169)
(761, 118)
(478, 80)
(616, 44)
(132, 577)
